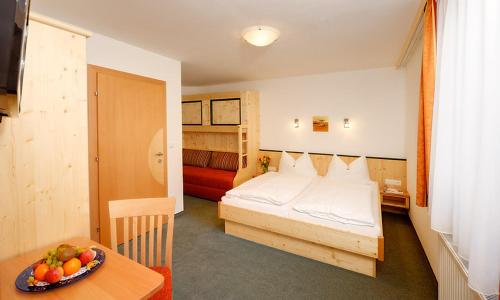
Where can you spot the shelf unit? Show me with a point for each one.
(243, 146)
(240, 130)
(241, 138)
(395, 202)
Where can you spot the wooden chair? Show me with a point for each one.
(139, 210)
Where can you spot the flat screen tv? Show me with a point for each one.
(13, 35)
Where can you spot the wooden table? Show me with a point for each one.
(117, 278)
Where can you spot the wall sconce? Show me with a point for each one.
(296, 123)
(347, 124)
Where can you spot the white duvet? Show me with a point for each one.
(345, 202)
(273, 188)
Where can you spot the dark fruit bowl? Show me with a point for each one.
(22, 279)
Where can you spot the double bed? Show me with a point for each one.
(296, 214)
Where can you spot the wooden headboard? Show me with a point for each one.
(380, 168)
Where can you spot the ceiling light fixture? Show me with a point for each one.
(260, 35)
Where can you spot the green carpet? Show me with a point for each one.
(208, 264)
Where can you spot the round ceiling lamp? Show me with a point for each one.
(260, 35)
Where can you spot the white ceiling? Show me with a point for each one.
(317, 36)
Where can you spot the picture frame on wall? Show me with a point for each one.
(320, 123)
(192, 112)
(225, 112)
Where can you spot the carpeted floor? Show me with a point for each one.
(207, 264)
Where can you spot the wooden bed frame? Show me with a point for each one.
(340, 248)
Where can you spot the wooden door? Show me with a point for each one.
(130, 136)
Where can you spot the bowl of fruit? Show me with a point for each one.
(60, 267)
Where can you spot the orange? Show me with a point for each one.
(40, 272)
(71, 266)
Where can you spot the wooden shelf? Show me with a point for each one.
(210, 129)
(394, 203)
(396, 200)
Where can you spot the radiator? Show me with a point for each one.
(452, 275)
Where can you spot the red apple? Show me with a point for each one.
(53, 276)
(87, 256)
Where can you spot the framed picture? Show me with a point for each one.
(192, 112)
(225, 111)
(320, 123)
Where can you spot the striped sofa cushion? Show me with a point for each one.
(197, 158)
(224, 161)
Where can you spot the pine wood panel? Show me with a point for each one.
(355, 252)
(347, 260)
(223, 142)
(343, 240)
(379, 168)
(43, 151)
(250, 118)
(210, 129)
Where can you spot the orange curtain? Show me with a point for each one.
(426, 102)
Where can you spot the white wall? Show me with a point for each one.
(106, 52)
(374, 101)
(418, 215)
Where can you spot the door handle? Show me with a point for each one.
(159, 154)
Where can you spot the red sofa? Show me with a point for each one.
(208, 175)
(207, 183)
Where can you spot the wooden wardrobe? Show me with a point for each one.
(44, 191)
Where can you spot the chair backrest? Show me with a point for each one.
(144, 209)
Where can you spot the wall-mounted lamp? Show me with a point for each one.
(347, 124)
(296, 123)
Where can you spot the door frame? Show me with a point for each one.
(92, 95)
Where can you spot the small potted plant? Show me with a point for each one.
(264, 161)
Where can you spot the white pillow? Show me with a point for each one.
(356, 171)
(337, 168)
(304, 166)
(287, 164)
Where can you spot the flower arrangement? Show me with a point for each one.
(264, 161)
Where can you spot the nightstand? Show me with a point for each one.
(395, 202)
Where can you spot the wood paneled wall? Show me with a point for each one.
(223, 142)
(44, 191)
(379, 168)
